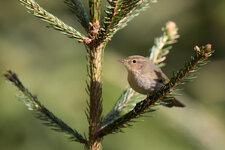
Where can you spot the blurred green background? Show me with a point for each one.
(54, 67)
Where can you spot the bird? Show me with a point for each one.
(145, 77)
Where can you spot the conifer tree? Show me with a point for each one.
(99, 32)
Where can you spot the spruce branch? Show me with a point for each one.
(41, 112)
(56, 23)
(78, 9)
(185, 73)
(124, 104)
(95, 12)
(119, 13)
(157, 54)
(162, 45)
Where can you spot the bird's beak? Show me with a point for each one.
(122, 61)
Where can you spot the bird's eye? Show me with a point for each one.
(134, 61)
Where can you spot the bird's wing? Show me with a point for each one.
(161, 76)
(155, 72)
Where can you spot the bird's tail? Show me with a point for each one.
(171, 102)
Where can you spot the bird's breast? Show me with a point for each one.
(143, 84)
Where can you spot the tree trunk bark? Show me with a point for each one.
(95, 90)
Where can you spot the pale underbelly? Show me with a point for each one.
(143, 85)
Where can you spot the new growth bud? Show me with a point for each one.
(171, 28)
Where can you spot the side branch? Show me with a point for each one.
(78, 8)
(118, 14)
(198, 60)
(56, 23)
(42, 112)
(161, 47)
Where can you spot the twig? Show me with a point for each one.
(94, 25)
(78, 8)
(56, 23)
(42, 112)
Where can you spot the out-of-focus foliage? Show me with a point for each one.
(54, 67)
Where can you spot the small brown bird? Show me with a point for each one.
(144, 77)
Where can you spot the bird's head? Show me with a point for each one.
(136, 63)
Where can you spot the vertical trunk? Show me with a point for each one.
(95, 89)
